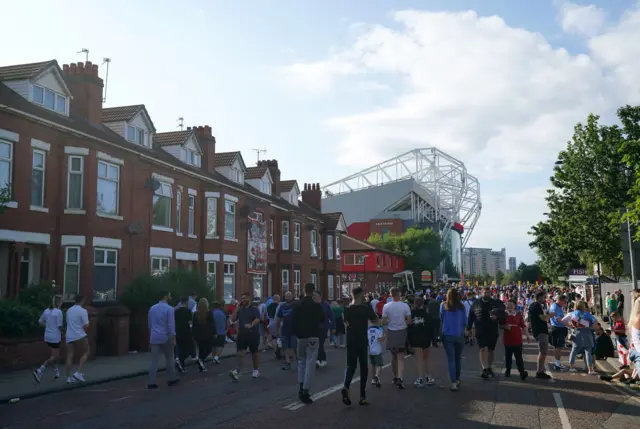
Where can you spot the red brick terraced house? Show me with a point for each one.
(99, 196)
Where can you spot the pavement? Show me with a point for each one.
(212, 400)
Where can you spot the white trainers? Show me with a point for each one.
(56, 375)
(454, 387)
(79, 376)
(37, 375)
(255, 373)
(71, 380)
(430, 381)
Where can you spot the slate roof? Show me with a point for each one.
(225, 159)
(120, 113)
(255, 173)
(287, 185)
(24, 71)
(171, 138)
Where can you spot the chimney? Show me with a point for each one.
(208, 144)
(272, 166)
(86, 88)
(312, 195)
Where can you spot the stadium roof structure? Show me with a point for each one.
(429, 184)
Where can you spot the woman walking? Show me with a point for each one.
(204, 331)
(51, 319)
(453, 318)
(582, 341)
(338, 312)
(420, 338)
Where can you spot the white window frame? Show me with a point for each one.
(56, 96)
(109, 165)
(314, 278)
(285, 281)
(67, 264)
(296, 236)
(106, 264)
(330, 287)
(212, 214)
(165, 190)
(314, 243)
(271, 233)
(330, 247)
(229, 269)
(44, 175)
(70, 173)
(337, 249)
(258, 216)
(265, 187)
(230, 209)
(285, 236)
(192, 216)
(178, 211)
(211, 274)
(8, 161)
(138, 133)
(296, 282)
(164, 263)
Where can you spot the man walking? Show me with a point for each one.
(328, 325)
(248, 318)
(162, 338)
(77, 340)
(306, 317)
(397, 316)
(484, 315)
(284, 330)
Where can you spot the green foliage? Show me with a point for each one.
(18, 320)
(5, 197)
(38, 296)
(499, 277)
(144, 291)
(420, 248)
(630, 151)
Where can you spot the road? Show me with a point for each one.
(211, 400)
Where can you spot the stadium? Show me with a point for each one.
(425, 187)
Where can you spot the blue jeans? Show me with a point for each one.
(453, 346)
(576, 350)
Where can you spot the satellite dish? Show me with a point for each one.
(152, 184)
(136, 227)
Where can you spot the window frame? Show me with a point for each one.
(314, 243)
(178, 210)
(56, 96)
(70, 172)
(285, 284)
(271, 234)
(297, 231)
(212, 276)
(287, 235)
(296, 285)
(330, 247)
(106, 251)
(233, 275)
(108, 179)
(159, 193)
(160, 260)
(43, 170)
(314, 278)
(337, 249)
(230, 212)
(191, 221)
(66, 264)
(138, 132)
(330, 287)
(8, 161)
(212, 212)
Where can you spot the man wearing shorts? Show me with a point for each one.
(397, 316)
(538, 320)
(484, 316)
(77, 340)
(248, 318)
(559, 332)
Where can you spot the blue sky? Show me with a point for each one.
(331, 87)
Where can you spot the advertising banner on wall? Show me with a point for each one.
(256, 247)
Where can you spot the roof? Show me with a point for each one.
(225, 159)
(332, 220)
(287, 185)
(361, 245)
(361, 230)
(25, 71)
(255, 173)
(172, 138)
(120, 113)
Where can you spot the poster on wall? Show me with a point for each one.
(256, 247)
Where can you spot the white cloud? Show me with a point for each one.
(581, 20)
(498, 97)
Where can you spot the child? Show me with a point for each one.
(376, 343)
(513, 326)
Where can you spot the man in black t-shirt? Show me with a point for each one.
(540, 330)
(356, 319)
(484, 315)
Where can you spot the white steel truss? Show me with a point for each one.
(455, 193)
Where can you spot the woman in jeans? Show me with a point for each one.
(582, 343)
(453, 318)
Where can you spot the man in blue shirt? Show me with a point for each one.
(162, 338)
(559, 332)
(284, 328)
(222, 324)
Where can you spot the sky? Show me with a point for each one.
(329, 88)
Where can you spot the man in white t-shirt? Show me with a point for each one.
(396, 315)
(76, 338)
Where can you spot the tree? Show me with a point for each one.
(499, 277)
(5, 197)
(420, 248)
(630, 151)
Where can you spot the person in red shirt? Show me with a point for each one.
(513, 326)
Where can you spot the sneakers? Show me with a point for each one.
(286, 366)
(71, 380)
(234, 374)
(573, 370)
(255, 373)
(484, 374)
(179, 365)
(376, 381)
(399, 383)
(37, 375)
(490, 373)
(430, 381)
(419, 382)
(201, 366)
(56, 374)
(345, 396)
(559, 367)
(79, 376)
(363, 401)
(216, 360)
(507, 372)
(305, 397)
(524, 375)
(454, 387)
(543, 376)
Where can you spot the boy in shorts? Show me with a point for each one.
(376, 346)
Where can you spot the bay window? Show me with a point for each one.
(229, 281)
(271, 232)
(314, 243)
(179, 211)
(330, 247)
(337, 247)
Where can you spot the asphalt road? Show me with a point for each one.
(211, 400)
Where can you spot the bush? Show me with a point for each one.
(37, 296)
(18, 320)
(144, 291)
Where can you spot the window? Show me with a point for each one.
(236, 175)
(37, 178)
(229, 281)
(190, 157)
(296, 237)
(159, 265)
(6, 162)
(271, 232)
(105, 274)
(135, 135)
(293, 198)
(192, 215)
(179, 211)
(337, 247)
(211, 276)
(285, 235)
(229, 219)
(258, 281)
(265, 187)
(74, 182)
(212, 217)
(337, 285)
(360, 259)
(49, 99)
(71, 285)
(296, 282)
(162, 205)
(314, 240)
(26, 275)
(285, 281)
(257, 216)
(330, 287)
(319, 245)
(108, 188)
(314, 277)
(330, 247)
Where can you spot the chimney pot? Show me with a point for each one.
(318, 186)
(94, 69)
(72, 68)
(80, 67)
(65, 67)
(188, 128)
(88, 65)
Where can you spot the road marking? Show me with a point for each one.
(121, 399)
(96, 390)
(564, 419)
(297, 405)
(66, 412)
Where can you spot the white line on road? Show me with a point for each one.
(564, 419)
(121, 399)
(96, 390)
(66, 412)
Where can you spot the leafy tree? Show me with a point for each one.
(420, 248)
(630, 151)
(5, 197)
(499, 277)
